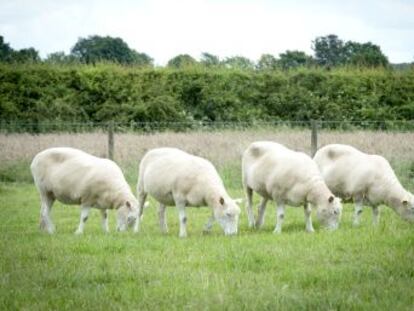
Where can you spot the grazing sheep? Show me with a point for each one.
(365, 178)
(287, 177)
(174, 177)
(72, 176)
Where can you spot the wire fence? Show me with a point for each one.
(185, 126)
(220, 142)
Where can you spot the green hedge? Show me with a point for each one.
(38, 93)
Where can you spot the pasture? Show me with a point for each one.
(358, 268)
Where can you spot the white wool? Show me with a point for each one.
(368, 178)
(72, 176)
(287, 177)
(174, 177)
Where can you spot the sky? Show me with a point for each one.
(163, 29)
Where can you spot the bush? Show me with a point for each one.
(52, 93)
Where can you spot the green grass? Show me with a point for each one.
(349, 269)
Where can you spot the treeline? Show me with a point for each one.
(40, 93)
(329, 51)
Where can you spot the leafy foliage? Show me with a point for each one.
(332, 51)
(5, 50)
(364, 55)
(329, 50)
(267, 62)
(39, 93)
(181, 61)
(96, 49)
(294, 59)
(210, 60)
(8, 55)
(238, 62)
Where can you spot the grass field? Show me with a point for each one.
(350, 269)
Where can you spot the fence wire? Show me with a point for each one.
(221, 142)
(82, 127)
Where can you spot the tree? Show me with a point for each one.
(267, 62)
(209, 60)
(238, 62)
(329, 50)
(29, 55)
(60, 58)
(5, 50)
(365, 54)
(96, 48)
(293, 59)
(141, 59)
(182, 60)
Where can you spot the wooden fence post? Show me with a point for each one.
(111, 140)
(314, 137)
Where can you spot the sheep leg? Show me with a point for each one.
(183, 219)
(249, 207)
(308, 219)
(45, 209)
(162, 218)
(261, 213)
(375, 215)
(83, 218)
(280, 215)
(209, 224)
(105, 227)
(358, 211)
(142, 196)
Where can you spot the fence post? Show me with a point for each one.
(111, 140)
(314, 137)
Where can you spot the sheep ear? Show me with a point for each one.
(405, 202)
(221, 201)
(331, 199)
(128, 205)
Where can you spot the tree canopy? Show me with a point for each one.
(210, 60)
(181, 61)
(293, 59)
(238, 62)
(96, 49)
(7, 54)
(331, 51)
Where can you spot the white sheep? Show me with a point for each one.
(72, 176)
(174, 177)
(286, 177)
(365, 178)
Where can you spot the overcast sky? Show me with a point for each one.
(164, 29)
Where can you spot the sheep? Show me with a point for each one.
(365, 178)
(174, 177)
(286, 177)
(72, 176)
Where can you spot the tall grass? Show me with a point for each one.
(222, 148)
